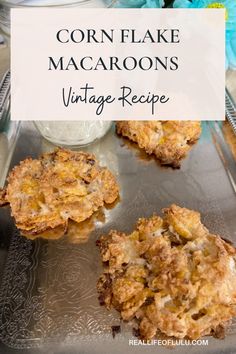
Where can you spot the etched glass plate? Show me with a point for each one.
(48, 295)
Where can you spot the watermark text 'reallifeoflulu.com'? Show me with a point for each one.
(168, 342)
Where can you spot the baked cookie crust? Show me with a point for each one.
(169, 141)
(170, 274)
(63, 185)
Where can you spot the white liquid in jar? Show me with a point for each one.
(73, 133)
(40, 2)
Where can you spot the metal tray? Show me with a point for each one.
(48, 297)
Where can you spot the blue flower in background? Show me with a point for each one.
(230, 19)
(130, 3)
(154, 3)
(228, 5)
(230, 47)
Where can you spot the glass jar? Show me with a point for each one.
(72, 133)
(64, 133)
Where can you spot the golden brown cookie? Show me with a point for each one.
(63, 185)
(170, 274)
(169, 141)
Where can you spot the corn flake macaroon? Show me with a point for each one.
(45, 193)
(170, 274)
(169, 141)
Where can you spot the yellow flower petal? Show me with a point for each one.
(218, 5)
